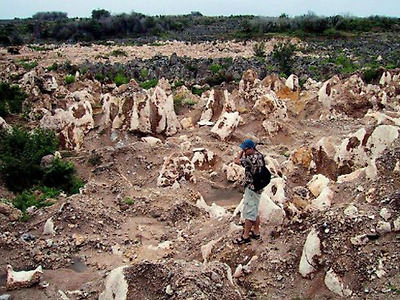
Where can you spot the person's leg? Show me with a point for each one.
(257, 226)
(247, 227)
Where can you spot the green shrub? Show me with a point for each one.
(20, 155)
(198, 91)
(69, 79)
(129, 201)
(28, 65)
(121, 79)
(118, 52)
(259, 50)
(149, 84)
(283, 54)
(53, 67)
(345, 64)
(62, 175)
(371, 74)
(215, 68)
(144, 73)
(36, 196)
(100, 77)
(11, 99)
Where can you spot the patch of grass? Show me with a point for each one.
(371, 75)
(144, 73)
(69, 79)
(394, 289)
(198, 91)
(346, 64)
(259, 50)
(53, 67)
(36, 196)
(149, 84)
(121, 79)
(118, 52)
(27, 65)
(100, 77)
(11, 99)
(215, 68)
(177, 84)
(129, 201)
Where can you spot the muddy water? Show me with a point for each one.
(77, 265)
(223, 197)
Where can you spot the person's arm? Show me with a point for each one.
(238, 157)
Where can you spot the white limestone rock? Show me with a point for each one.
(226, 125)
(396, 225)
(22, 279)
(293, 82)
(359, 240)
(176, 168)
(116, 286)
(276, 190)
(233, 172)
(351, 211)
(317, 184)
(151, 141)
(385, 214)
(383, 227)
(335, 284)
(311, 252)
(215, 211)
(49, 227)
(270, 212)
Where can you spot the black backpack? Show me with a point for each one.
(261, 179)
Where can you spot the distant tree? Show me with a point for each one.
(100, 14)
(50, 16)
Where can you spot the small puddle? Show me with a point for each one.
(77, 265)
(3, 280)
(223, 197)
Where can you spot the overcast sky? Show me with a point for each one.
(10, 9)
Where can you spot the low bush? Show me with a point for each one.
(149, 84)
(11, 99)
(283, 54)
(20, 156)
(259, 50)
(118, 52)
(27, 65)
(69, 79)
(371, 75)
(121, 79)
(37, 196)
(215, 68)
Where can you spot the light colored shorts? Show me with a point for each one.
(251, 204)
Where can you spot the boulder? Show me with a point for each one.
(335, 284)
(203, 159)
(292, 82)
(176, 168)
(12, 213)
(22, 279)
(311, 252)
(317, 184)
(233, 172)
(4, 125)
(71, 124)
(215, 211)
(226, 125)
(178, 279)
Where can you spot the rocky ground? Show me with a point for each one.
(161, 202)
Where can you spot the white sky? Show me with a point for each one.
(83, 8)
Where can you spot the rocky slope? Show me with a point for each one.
(161, 205)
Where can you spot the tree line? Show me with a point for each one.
(102, 25)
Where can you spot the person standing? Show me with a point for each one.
(252, 161)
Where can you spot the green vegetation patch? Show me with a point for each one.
(149, 84)
(11, 99)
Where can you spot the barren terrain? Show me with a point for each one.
(333, 149)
